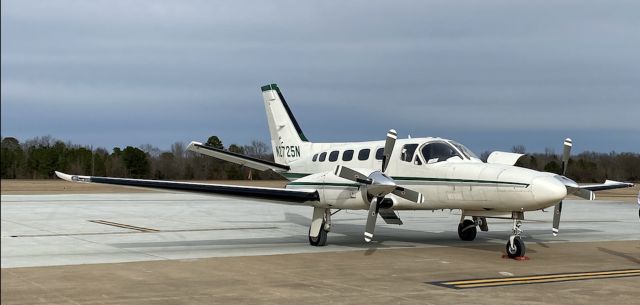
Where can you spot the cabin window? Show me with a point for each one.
(333, 156)
(364, 154)
(322, 157)
(315, 157)
(380, 153)
(347, 155)
(407, 152)
(438, 152)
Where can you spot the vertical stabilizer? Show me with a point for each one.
(287, 139)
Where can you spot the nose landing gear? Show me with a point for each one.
(515, 246)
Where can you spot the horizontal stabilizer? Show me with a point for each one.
(251, 162)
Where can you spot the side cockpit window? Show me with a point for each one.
(438, 152)
(407, 152)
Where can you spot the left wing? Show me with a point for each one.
(275, 195)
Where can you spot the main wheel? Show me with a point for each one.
(518, 248)
(320, 240)
(467, 230)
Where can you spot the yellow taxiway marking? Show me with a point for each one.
(545, 278)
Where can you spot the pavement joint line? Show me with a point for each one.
(138, 232)
(535, 279)
(124, 226)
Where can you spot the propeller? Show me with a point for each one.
(377, 185)
(557, 211)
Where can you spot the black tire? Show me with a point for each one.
(319, 241)
(519, 248)
(470, 233)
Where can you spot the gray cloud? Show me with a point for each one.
(119, 73)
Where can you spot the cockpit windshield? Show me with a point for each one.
(438, 152)
(467, 152)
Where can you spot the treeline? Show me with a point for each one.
(38, 158)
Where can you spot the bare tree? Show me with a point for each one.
(257, 149)
(178, 150)
(519, 149)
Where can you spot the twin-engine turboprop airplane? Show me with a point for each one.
(386, 176)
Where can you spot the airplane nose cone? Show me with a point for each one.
(548, 190)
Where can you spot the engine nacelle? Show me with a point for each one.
(336, 192)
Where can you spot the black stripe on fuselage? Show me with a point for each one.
(260, 193)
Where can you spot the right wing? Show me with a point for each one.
(274, 195)
(255, 163)
(607, 185)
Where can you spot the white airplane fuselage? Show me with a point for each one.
(460, 182)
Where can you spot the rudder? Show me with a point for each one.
(288, 142)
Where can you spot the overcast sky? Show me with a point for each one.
(489, 74)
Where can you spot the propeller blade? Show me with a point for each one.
(371, 219)
(557, 211)
(349, 174)
(566, 152)
(408, 194)
(584, 194)
(388, 148)
(556, 218)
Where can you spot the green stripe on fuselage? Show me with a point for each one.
(457, 180)
(425, 179)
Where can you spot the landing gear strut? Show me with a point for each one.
(515, 246)
(323, 227)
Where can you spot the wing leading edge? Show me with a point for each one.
(275, 195)
(607, 185)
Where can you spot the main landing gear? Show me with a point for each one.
(320, 226)
(321, 239)
(515, 246)
(467, 230)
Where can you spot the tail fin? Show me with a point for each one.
(287, 139)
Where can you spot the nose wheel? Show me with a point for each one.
(515, 246)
